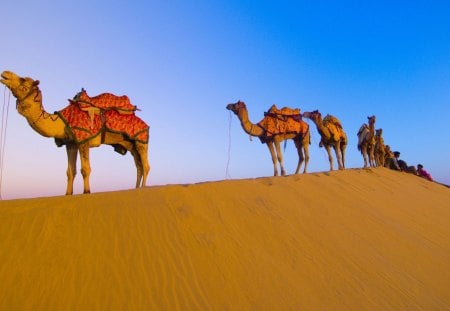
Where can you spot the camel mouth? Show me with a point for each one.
(5, 77)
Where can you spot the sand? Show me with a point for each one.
(359, 239)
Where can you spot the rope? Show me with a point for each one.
(4, 125)
(227, 171)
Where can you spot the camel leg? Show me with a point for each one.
(337, 151)
(140, 155)
(72, 153)
(377, 155)
(305, 143)
(306, 150)
(364, 154)
(85, 166)
(280, 157)
(301, 157)
(382, 157)
(371, 156)
(343, 147)
(138, 164)
(143, 152)
(274, 158)
(330, 156)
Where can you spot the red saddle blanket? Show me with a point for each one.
(283, 121)
(84, 123)
(104, 101)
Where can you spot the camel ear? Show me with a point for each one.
(35, 83)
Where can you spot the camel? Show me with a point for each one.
(332, 135)
(29, 104)
(380, 148)
(388, 155)
(366, 141)
(301, 140)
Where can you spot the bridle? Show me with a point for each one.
(34, 90)
(239, 105)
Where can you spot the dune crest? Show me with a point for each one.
(359, 239)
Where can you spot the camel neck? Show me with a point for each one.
(249, 127)
(46, 124)
(372, 128)
(321, 128)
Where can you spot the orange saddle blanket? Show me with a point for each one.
(283, 121)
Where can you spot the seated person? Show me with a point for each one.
(393, 162)
(400, 165)
(423, 173)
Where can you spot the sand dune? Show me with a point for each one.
(369, 239)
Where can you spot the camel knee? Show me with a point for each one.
(85, 172)
(71, 174)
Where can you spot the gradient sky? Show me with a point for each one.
(182, 62)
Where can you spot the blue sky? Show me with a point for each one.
(182, 62)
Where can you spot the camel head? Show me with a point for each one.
(371, 119)
(236, 106)
(378, 132)
(313, 115)
(20, 87)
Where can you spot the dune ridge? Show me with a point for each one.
(359, 239)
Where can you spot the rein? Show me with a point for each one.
(3, 128)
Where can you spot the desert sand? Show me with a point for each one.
(359, 239)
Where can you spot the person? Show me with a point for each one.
(423, 173)
(393, 162)
(401, 163)
(397, 164)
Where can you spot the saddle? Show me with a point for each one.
(104, 101)
(283, 121)
(334, 125)
(87, 117)
(284, 113)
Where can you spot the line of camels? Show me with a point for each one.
(370, 141)
(29, 104)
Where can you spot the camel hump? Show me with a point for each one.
(363, 128)
(285, 111)
(335, 127)
(283, 121)
(333, 120)
(105, 101)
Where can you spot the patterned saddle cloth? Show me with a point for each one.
(105, 101)
(87, 117)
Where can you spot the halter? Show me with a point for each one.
(32, 89)
(240, 105)
(35, 89)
